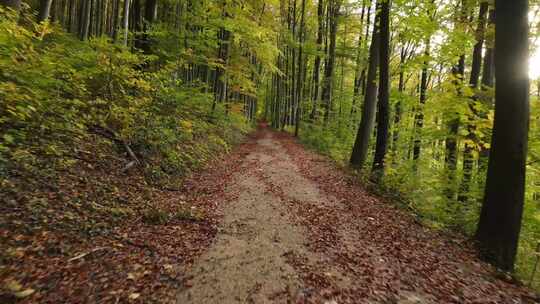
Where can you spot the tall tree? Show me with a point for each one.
(333, 14)
(367, 122)
(301, 68)
(317, 64)
(383, 108)
(476, 65)
(86, 22)
(150, 12)
(500, 218)
(126, 21)
(359, 69)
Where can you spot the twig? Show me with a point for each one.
(129, 165)
(82, 255)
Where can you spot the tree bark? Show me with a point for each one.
(333, 11)
(126, 22)
(383, 109)
(359, 72)
(367, 122)
(317, 64)
(44, 10)
(500, 218)
(301, 69)
(86, 20)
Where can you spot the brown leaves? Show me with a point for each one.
(392, 258)
(88, 243)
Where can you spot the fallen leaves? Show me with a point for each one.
(386, 251)
(134, 296)
(85, 245)
(17, 290)
(97, 251)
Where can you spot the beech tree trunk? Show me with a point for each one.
(85, 30)
(126, 21)
(333, 11)
(500, 218)
(44, 10)
(301, 69)
(367, 122)
(383, 108)
(317, 64)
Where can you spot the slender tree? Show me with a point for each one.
(317, 64)
(476, 65)
(333, 13)
(44, 9)
(301, 68)
(126, 21)
(383, 108)
(367, 122)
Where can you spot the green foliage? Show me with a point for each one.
(55, 89)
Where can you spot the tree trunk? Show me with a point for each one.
(301, 69)
(468, 158)
(365, 128)
(383, 109)
(150, 11)
(359, 60)
(86, 20)
(500, 218)
(126, 22)
(398, 110)
(44, 10)
(333, 7)
(317, 64)
(115, 22)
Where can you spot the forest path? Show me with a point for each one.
(298, 230)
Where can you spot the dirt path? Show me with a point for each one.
(300, 231)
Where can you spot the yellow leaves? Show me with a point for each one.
(17, 290)
(43, 29)
(187, 125)
(24, 293)
(16, 253)
(134, 296)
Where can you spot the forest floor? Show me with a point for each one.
(270, 222)
(296, 229)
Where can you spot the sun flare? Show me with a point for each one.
(534, 65)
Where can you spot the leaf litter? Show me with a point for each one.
(336, 243)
